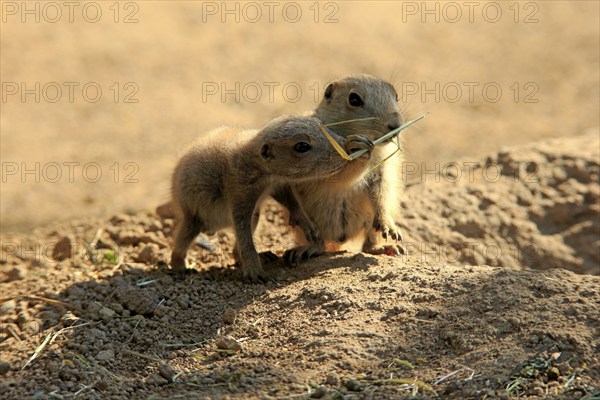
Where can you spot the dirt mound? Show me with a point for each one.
(88, 310)
(536, 206)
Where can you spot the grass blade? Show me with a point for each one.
(387, 136)
(335, 144)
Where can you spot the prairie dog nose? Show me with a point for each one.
(394, 122)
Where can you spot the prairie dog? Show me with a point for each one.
(221, 178)
(358, 205)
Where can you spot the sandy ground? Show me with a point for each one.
(96, 158)
(499, 297)
(463, 316)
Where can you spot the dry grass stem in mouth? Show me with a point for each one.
(382, 139)
(349, 120)
(335, 144)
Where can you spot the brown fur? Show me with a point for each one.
(356, 203)
(221, 178)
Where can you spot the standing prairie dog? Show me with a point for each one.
(358, 204)
(222, 177)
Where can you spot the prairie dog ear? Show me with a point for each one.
(329, 92)
(266, 153)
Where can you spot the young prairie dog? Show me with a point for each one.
(223, 176)
(358, 204)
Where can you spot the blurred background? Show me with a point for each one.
(99, 98)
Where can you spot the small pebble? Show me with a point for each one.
(105, 355)
(332, 379)
(149, 254)
(8, 307)
(106, 313)
(452, 387)
(229, 316)
(319, 392)
(183, 300)
(4, 367)
(553, 374)
(155, 226)
(165, 211)
(166, 372)
(538, 391)
(102, 385)
(228, 343)
(63, 249)
(17, 273)
(156, 379)
(353, 385)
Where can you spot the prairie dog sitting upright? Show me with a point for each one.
(358, 204)
(222, 177)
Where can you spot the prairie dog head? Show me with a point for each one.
(293, 147)
(360, 96)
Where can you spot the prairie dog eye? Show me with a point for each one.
(302, 147)
(355, 100)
